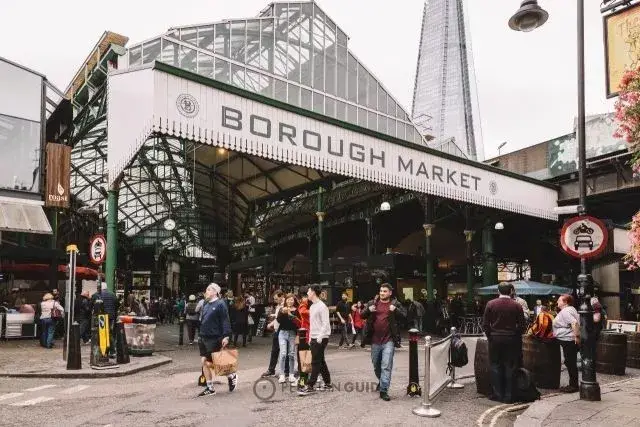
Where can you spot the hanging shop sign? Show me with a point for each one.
(584, 237)
(97, 249)
(57, 184)
(622, 50)
(218, 115)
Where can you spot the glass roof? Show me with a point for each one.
(292, 52)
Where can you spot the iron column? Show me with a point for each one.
(112, 237)
(320, 214)
(468, 237)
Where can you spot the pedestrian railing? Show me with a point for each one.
(438, 372)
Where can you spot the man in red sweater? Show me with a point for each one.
(503, 324)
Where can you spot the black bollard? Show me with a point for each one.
(302, 345)
(413, 389)
(122, 350)
(74, 358)
(181, 331)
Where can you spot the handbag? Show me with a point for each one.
(225, 362)
(305, 361)
(55, 312)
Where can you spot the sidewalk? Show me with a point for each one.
(619, 406)
(26, 359)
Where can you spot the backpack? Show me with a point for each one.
(524, 390)
(458, 350)
(191, 308)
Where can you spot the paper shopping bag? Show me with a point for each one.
(225, 362)
(305, 361)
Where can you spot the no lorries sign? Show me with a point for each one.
(584, 237)
(98, 249)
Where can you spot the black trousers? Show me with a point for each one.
(570, 351)
(275, 354)
(318, 363)
(192, 325)
(504, 355)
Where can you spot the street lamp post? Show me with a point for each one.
(529, 17)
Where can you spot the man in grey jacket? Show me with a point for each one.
(320, 330)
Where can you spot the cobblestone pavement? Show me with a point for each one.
(166, 396)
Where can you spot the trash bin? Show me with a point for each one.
(140, 333)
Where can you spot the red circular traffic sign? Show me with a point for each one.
(584, 237)
(98, 249)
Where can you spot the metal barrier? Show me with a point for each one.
(431, 391)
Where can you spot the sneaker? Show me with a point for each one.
(569, 389)
(351, 346)
(282, 379)
(293, 379)
(233, 381)
(268, 374)
(207, 392)
(190, 342)
(325, 387)
(384, 396)
(305, 391)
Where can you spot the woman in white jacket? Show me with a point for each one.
(49, 309)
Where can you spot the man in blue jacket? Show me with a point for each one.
(215, 330)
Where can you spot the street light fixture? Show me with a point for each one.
(524, 20)
(385, 206)
(499, 226)
(529, 17)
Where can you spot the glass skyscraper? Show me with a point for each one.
(445, 100)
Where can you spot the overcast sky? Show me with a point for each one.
(526, 81)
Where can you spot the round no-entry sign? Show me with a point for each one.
(584, 237)
(98, 249)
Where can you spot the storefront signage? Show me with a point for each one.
(57, 185)
(98, 249)
(239, 123)
(622, 45)
(584, 237)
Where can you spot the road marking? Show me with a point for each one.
(42, 387)
(75, 389)
(9, 396)
(480, 420)
(33, 401)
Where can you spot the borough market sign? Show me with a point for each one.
(178, 103)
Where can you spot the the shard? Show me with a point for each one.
(445, 100)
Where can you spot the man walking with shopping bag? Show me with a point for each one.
(215, 330)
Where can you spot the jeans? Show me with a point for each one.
(287, 343)
(418, 323)
(318, 363)
(48, 329)
(85, 330)
(359, 332)
(344, 338)
(570, 351)
(275, 353)
(382, 358)
(504, 355)
(191, 329)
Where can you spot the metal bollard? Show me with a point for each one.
(413, 389)
(425, 409)
(98, 357)
(74, 360)
(122, 349)
(181, 331)
(453, 384)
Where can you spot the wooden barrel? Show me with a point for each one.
(611, 353)
(542, 359)
(482, 367)
(633, 350)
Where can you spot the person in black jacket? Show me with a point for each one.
(110, 303)
(239, 315)
(82, 314)
(382, 314)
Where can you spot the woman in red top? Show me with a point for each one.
(358, 322)
(303, 312)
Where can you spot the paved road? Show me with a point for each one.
(167, 396)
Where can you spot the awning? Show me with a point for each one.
(23, 218)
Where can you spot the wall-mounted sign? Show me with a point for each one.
(97, 249)
(584, 237)
(622, 45)
(57, 185)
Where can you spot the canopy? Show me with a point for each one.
(528, 287)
